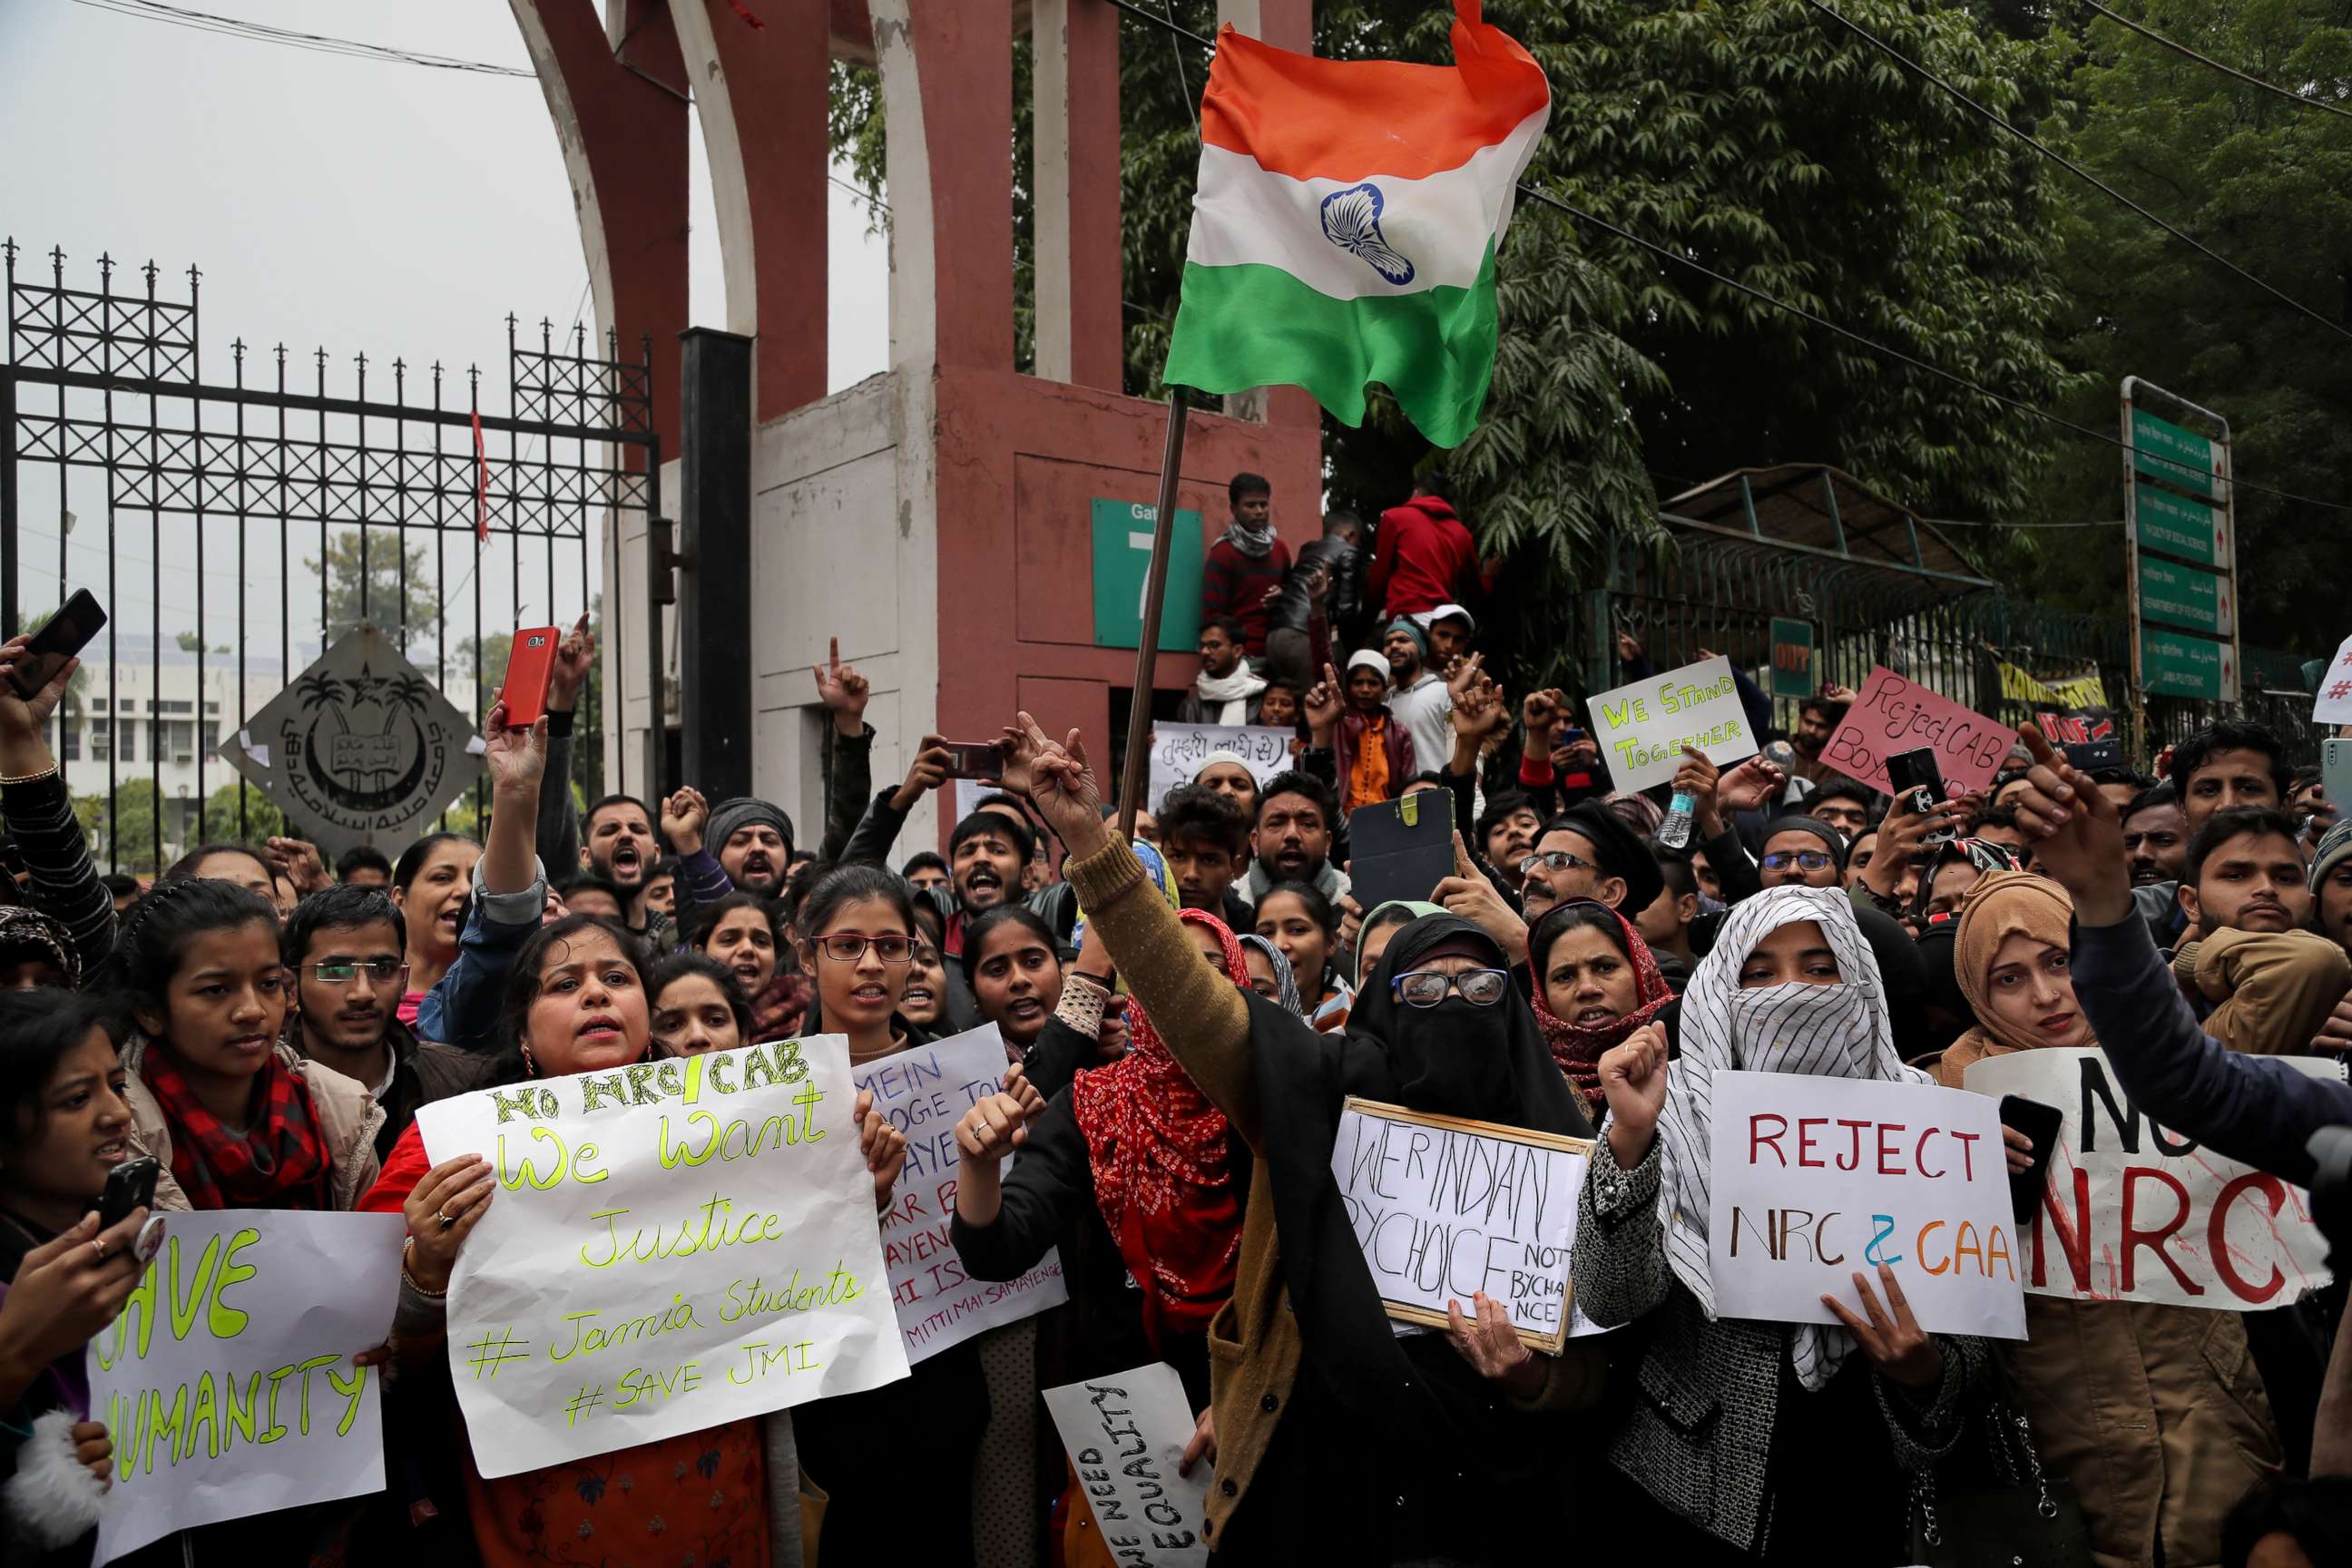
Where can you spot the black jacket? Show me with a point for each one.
(1292, 609)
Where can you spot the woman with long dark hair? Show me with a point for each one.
(64, 1126)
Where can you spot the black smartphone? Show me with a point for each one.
(974, 759)
(129, 1185)
(66, 634)
(1916, 774)
(2039, 1122)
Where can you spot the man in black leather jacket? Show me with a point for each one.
(1322, 583)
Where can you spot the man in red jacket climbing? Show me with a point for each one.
(1424, 556)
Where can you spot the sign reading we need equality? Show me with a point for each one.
(671, 1246)
(924, 1091)
(1642, 727)
(226, 1381)
(1894, 715)
(1816, 1179)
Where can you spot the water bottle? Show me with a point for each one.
(1675, 832)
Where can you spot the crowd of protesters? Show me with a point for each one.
(268, 1029)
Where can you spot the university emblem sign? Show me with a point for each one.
(361, 749)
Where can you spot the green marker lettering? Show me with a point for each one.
(163, 1427)
(806, 1099)
(277, 1428)
(758, 1070)
(237, 1419)
(308, 1367)
(204, 1413)
(351, 1392)
(225, 1321)
(641, 1084)
(185, 1307)
(594, 1091)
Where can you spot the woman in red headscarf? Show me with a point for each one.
(1131, 1172)
(1595, 983)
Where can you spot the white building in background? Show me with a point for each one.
(154, 718)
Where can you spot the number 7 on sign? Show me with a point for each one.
(1142, 543)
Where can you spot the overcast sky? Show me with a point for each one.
(359, 205)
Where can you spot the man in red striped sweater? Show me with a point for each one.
(1247, 564)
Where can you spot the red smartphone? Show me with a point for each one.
(529, 662)
(974, 760)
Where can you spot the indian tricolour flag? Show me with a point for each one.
(1348, 219)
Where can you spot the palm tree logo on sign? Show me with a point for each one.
(359, 747)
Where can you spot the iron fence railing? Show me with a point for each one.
(1719, 592)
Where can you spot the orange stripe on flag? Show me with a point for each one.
(1348, 120)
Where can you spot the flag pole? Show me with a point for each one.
(1146, 647)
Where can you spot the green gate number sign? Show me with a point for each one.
(1122, 556)
(2184, 596)
(2181, 458)
(1793, 657)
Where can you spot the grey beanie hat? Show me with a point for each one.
(741, 811)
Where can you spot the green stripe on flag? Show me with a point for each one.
(1240, 327)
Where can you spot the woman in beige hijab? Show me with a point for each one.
(2154, 1412)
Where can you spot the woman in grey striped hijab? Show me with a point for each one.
(1266, 964)
(1799, 1024)
(1725, 1437)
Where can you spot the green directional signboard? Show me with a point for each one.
(1122, 540)
(2178, 456)
(2175, 664)
(2177, 526)
(1792, 658)
(2183, 596)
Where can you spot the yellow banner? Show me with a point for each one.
(2074, 691)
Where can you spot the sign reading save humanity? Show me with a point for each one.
(226, 1381)
(1643, 726)
(2134, 1213)
(671, 1246)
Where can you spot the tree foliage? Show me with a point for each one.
(391, 578)
(1760, 140)
(2268, 184)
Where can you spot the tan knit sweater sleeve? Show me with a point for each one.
(1197, 1011)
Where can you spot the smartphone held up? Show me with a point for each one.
(64, 635)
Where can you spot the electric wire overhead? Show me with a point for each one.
(1545, 198)
(2080, 172)
(2180, 49)
(263, 33)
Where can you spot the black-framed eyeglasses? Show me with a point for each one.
(1428, 987)
(1553, 861)
(1811, 859)
(848, 947)
(343, 971)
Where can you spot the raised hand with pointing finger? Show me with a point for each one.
(575, 656)
(843, 691)
(1468, 893)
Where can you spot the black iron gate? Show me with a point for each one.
(103, 395)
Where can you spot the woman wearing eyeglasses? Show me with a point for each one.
(1802, 852)
(1401, 1444)
(857, 940)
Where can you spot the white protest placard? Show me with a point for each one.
(2334, 703)
(1444, 1209)
(2133, 1213)
(671, 1246)
(1643, 726)
(1816, 1179)
(1179, 750)
(226, 1381)
(924, 1091)
(1125, 1435)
